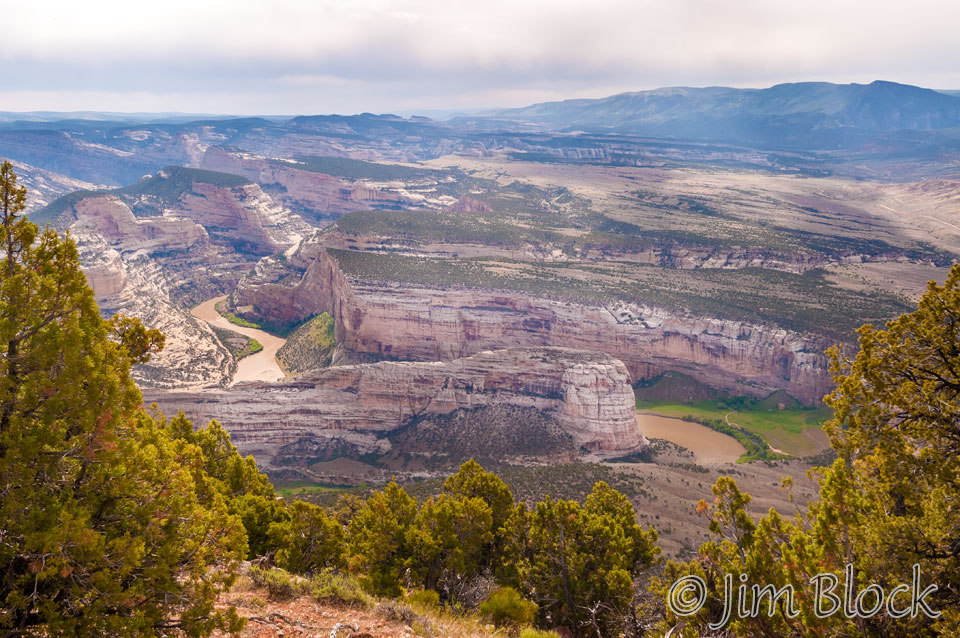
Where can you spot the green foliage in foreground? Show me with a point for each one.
(307, 540)
(424, 598)
(109, 523)
(326, 586)
(115, 521)
(562, 555)
(886, 504)
(506, 607)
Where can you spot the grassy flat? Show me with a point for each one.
(301, 488)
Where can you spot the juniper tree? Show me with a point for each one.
(888, 502)
(107, 525)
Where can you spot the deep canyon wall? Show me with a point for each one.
(427, 324)
(350, 409)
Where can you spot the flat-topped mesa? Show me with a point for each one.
(111, 218)
(352, 408)
(421, 323)
(314, 194)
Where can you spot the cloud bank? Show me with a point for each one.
(324, 56)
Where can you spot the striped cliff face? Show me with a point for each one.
(426, 323)
(354, 408)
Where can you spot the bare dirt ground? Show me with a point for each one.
(305, 616)
(909, 280)
(671, 490)
(261, 366)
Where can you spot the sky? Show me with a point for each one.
(408, 56)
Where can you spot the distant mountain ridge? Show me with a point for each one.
(806, 114)
(881, 121)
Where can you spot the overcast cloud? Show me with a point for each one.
(323, 56)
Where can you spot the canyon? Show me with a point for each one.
(349, 410)
(444, 250)
(167, 243)
(427, 324)
(316, 195)
(558, 292)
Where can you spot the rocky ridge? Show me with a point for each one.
(313, 194)
(43, 186)
(426, 324)
(154, 249)
(684, 256)
(350, 410)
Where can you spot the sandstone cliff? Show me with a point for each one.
(351, 409)
(668, 255)
(111, 218)
(420, 323)
(138, 285)
(168, 242)
(310, 193)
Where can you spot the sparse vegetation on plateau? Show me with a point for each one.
(309, 346)
(359, 169)
(806, 303)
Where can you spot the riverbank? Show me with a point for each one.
(261, 366)
(708, 446)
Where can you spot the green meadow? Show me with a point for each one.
(303, 488)
(795, 430)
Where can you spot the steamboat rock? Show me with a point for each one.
(351, 408)
(420, 323)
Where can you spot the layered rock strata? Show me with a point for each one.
(426, 324)
(310, 193)
(667, 255)
(351, 409)
(152, 257)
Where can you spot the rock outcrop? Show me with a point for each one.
(170, 241)
(351, 409)
(111, 218)
(244, 217)
(102, 265)
(668, 255)
(137, 285)
(44, 186)
(310, 193)
(426, 324)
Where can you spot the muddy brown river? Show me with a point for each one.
(709, 447)
(261, 366)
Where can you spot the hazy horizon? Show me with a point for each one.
(408, 56)
(438, 113)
